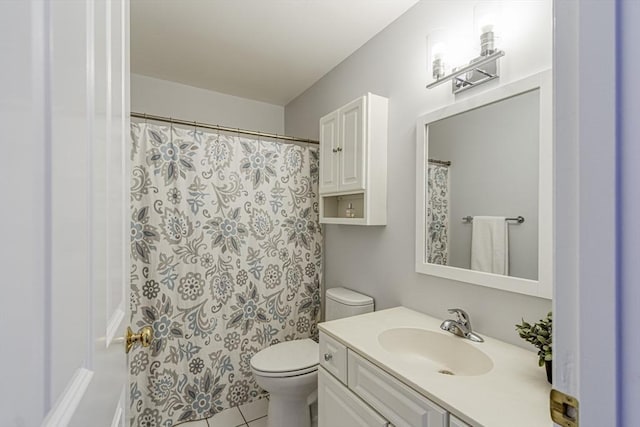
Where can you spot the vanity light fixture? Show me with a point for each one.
(479, 70)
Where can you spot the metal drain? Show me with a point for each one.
(445, 372)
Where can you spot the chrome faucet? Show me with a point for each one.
(460, 327)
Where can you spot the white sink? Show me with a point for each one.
(446, 353)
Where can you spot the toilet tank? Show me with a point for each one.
(343, 302)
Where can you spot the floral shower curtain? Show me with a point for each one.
(226, 254)
(438, 214)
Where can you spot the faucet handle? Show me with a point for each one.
(462, 316)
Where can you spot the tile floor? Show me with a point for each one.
(252, 414)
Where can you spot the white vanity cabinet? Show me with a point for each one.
(333, 357)
(368, 396)
(339, 407)
(456, 422)
(353, 162)
(398, 403)
(403, 379)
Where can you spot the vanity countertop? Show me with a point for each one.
(514, 392)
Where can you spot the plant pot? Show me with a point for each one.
(548, 365)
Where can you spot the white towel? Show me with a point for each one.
(490, 244)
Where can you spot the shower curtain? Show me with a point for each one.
(438, 214)
(226, 253)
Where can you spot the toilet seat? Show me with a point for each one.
(286, 374)
(287, 359)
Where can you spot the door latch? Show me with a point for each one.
(564, 409)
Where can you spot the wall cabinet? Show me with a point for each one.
(370, 396)
(353, 162)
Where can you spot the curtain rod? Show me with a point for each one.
(440, 162)
(221, 128)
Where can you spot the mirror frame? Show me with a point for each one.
(543, 287)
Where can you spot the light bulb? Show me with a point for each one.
(438, 51)
(486, 28)
(487, 24)
(437, 58)
(487, 35)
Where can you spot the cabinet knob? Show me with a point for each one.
(339, 148)
(327, 357)
(335, 150)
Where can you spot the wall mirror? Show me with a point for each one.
(484, 178)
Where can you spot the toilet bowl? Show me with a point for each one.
(289, 370)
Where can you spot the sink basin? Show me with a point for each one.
(447, 354)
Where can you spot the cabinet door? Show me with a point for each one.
(455, 422)
(329, 153)
(352, 149)
(394, 400)
(338, 407)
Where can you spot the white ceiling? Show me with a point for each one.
(267, 50)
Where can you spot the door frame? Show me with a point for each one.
(585, 303)
(629, 211)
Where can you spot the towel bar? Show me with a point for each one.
(469, 219)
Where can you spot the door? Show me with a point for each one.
(64, 114)
(351, 149)
(339, 407)
(106, 394)
(329, 153)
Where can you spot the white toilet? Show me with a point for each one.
(289, 370)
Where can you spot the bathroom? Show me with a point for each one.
(165, 77)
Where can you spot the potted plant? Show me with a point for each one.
(539, 334)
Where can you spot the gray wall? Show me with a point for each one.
(164, 98)
(494, 171)
(379, 261)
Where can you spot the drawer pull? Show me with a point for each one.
(327, 357)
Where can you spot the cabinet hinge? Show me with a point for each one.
(564, 409)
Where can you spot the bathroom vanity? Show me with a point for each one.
(396, 367)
